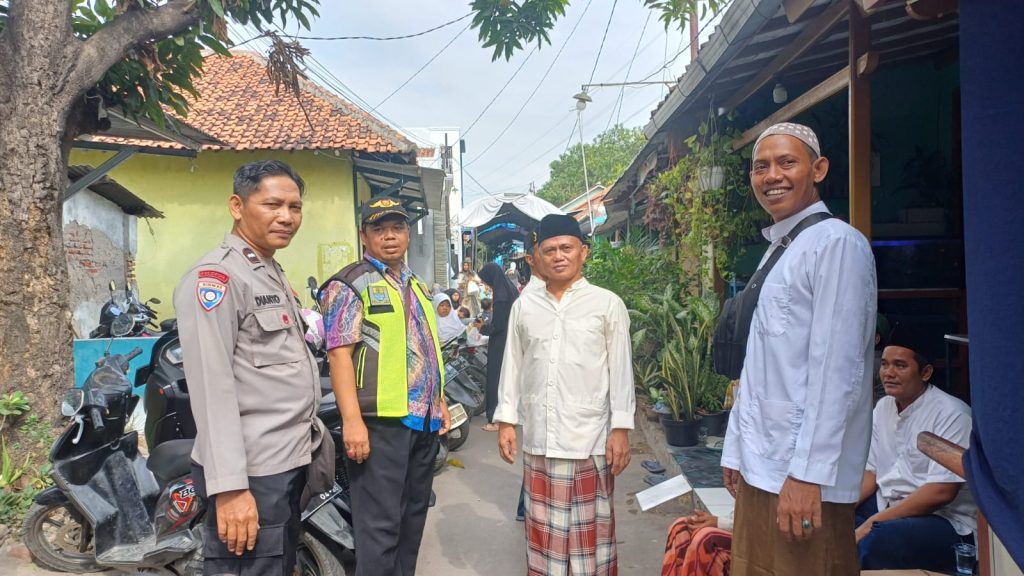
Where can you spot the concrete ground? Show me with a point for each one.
(472, 530)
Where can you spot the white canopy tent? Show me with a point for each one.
(486, 209)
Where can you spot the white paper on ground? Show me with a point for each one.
(718, 501)
(661, 493)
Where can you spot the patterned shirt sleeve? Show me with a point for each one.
(343, 315)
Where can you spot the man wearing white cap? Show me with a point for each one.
(798, 438)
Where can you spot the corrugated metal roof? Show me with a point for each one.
(108, 188)
(752, 33)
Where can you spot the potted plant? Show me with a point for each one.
(713, 417)
(677, 371)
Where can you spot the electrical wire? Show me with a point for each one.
(326, 78)
(670, 61)
(535, 89)
(489, 104)
(528, 147)
(603, 38)
(424, 67)
(622, 89)
(482, 187)
(379, 38)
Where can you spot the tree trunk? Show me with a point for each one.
(35, 322)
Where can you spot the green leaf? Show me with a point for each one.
(217, 8)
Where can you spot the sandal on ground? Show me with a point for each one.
(490, 427)
(653, 466)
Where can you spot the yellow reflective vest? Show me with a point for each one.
(382, 372)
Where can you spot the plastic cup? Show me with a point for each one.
(966, 557)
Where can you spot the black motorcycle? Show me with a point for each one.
(465, 378)
(124, 315)
(113, 508)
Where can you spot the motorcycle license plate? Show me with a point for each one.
(458, 415)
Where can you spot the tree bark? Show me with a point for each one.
(35, 323)
(46, 72)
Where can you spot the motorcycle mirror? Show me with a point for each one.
(154, 300)
(72, 402)
(112, 287)
(311, 282)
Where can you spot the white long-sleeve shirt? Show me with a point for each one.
(567, 368)
(901, 469)
(804, 403)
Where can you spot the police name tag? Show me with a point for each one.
(379, 296)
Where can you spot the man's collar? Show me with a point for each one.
(910, 408)
(385, 269)
(776, 231)
(235, 241)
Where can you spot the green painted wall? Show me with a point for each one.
(193, 195)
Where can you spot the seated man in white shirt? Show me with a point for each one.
(912, 510)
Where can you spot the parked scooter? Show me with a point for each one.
(113, 508)
(126, 316)
(465, 379)
(169, 422)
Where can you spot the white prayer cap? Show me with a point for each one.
(798, 131)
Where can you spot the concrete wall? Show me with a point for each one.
(193, 195)
(99, 244)
(421, 248)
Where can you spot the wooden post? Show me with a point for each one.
(694, 37)
(860, 123)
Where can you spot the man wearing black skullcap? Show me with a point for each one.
(567, 369)
(912, 510)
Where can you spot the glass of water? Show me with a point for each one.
(966, 557)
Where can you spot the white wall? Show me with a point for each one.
(99, 243)
(435, 137)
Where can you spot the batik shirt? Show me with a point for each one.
(342, 309)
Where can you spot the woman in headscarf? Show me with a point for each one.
(449, 326)
(455, 297)
(504, 294)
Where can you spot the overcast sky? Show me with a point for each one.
(455, 88)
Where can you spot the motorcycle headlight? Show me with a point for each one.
(174, 355)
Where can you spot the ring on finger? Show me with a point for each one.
(806, 524)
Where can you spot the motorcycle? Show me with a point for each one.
(126, 316)
(465, 378)
(111, 507)
(169, 420)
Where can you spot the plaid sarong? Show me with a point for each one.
(570, 523)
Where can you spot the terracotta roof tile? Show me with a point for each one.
(238, 106)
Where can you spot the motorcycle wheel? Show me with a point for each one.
(314, 558)
(478, 378)
(52, 534)
(458, 436)
(441, 459)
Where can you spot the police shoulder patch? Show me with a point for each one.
(210, 289)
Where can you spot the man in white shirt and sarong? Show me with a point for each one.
(798, 434)
(567, 369)
(913, 511)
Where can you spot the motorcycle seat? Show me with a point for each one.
(170, 460)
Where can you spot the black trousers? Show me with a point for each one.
(277, 502)
(390, 494)
(495, 354)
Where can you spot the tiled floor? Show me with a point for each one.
(702, 467)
